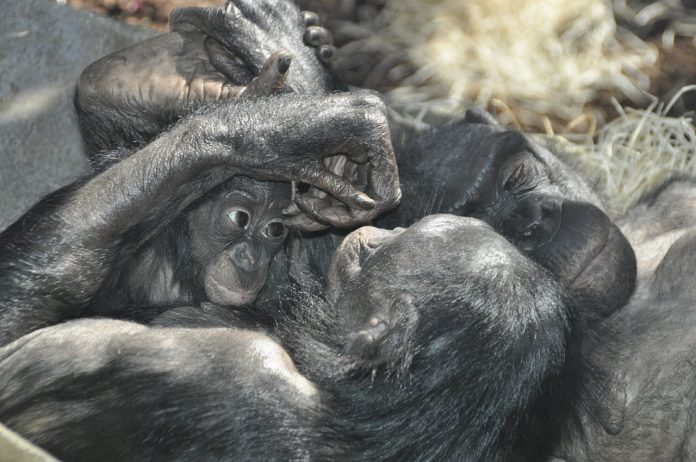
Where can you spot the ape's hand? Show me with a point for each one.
(308, 139)
(252, 30)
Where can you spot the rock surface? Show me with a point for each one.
(45, 47)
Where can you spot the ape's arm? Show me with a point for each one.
(55, 260)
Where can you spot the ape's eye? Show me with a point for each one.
(239, 218)
(521, 175)
(275, 230)
(515, 177)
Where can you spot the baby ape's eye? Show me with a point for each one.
(239, 218)
(275, 230)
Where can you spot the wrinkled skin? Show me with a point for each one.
(129, 97)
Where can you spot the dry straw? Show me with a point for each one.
(536, 61)
(639, 150)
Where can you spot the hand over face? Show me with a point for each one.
(339, 144)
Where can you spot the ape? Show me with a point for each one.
(221, 249)
(445, 325)
(527, 195)
(235, 231)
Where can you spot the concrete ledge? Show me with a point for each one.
(45, 47)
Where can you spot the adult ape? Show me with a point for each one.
(61, 259)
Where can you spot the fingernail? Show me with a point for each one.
(291, 209)
(364, 201)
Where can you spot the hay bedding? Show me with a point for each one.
(549, 66)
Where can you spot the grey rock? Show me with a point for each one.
(45, 46)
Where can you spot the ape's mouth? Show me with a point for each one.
(222, 294)
(579, 246)
(597, 262)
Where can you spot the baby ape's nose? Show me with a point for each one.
(245, 257)
(535, 221)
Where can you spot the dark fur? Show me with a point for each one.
(443, 396)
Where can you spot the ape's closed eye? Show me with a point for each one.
(239, 218)
(275, 230)
(520, 175)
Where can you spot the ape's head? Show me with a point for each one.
(394, 288)
(235, 233)
(530, 197)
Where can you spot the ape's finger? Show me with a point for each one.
(383, 178)
(326, 53)
(226, 62)
(304, 223)
(341, 216)
(310, 18)
(273, 75)
(342, 190)
(315, 36)
(312, 206)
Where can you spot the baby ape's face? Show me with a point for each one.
(235, 233)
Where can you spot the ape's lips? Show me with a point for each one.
(597, 263)
(220, 293)
(580, 245)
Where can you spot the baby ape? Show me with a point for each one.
(235, 231)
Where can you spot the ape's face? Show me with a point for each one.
(235, 234)
(548, 219)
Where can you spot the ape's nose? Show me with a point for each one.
(245, 256)
(534, 222)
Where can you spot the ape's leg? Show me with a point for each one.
(129, 97)
(112, 390)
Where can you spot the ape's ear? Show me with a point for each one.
(510, 142)
(477, 115)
